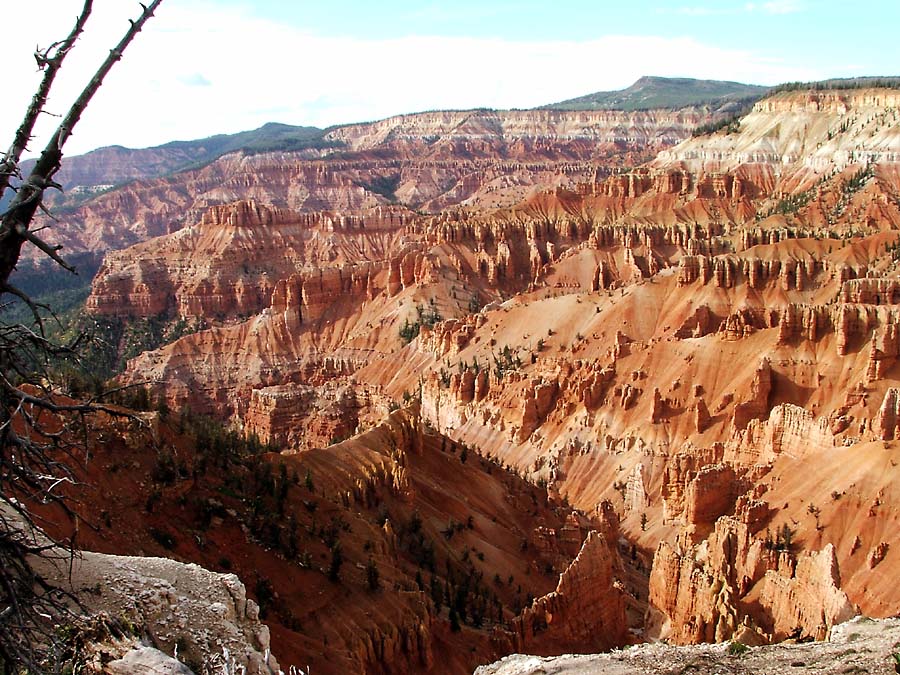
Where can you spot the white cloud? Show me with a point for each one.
(705, 11)
(199, 69)
(782, 6)
(773, 7)
(195, 80)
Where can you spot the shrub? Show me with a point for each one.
(409, 331)
(165, 471)
(264, 595)
(163, 538)
(731, 125)
(736, 648)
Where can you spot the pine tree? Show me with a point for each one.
(337, 559)
(372, 575)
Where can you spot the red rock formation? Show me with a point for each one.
(435, 160)
(701, 416)
(691, 348)
(794, 431)
(888, 415)
(757, 406)
(636, 498)
(538, 400)
(704, 592)
(233, 261)
(366, 492)
(809, 599)
(712, 493)
(301, 417)
(586, 612)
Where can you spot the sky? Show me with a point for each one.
(203, 67)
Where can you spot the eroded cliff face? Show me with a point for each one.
(709, 349)
(816, 131)
(587, 610)
(428, 161)
(703, 408)
(523, 133)
(232, 261)
(734, 586)
(301, 417)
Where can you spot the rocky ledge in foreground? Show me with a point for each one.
(860, 645)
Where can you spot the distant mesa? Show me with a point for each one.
(649, 93)
(868, 81)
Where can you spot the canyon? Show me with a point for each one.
(653, 375)
(425, 528)
(425, 162)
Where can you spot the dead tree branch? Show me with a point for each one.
(15, 223)
(50, 61)
(42, 431)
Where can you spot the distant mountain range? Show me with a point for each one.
(271, 136)
(86, 175)
(664, 92)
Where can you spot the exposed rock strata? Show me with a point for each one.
(705, 592)
(430, 161)
(708, 343)
(586, 611)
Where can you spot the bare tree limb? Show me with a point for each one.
(41, 431)
(17, 219)
(50, 64)
(33, 306)
(47, 249)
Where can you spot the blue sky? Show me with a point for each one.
(220, 66)
(718, 22)
(846, 38)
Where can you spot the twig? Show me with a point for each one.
(50, 65)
